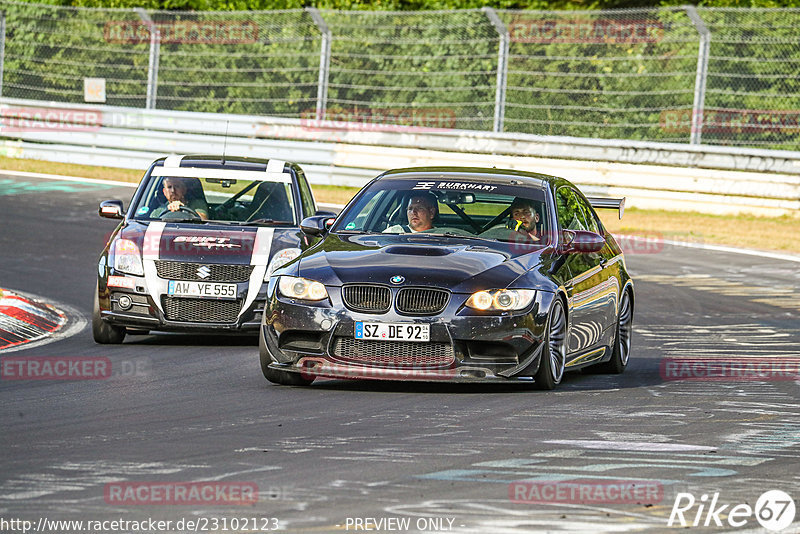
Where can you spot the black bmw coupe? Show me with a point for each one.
(456, 274)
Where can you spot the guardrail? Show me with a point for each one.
(652, 175)
(673, 74)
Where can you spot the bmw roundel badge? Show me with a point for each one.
(397, 279)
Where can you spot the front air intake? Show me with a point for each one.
(367, 298)
(421, 301)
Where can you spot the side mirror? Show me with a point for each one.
(111, 209)
(581, 241)
(317, 225)
(324, 212)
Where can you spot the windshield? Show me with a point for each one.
(204, 194)
(458, 208)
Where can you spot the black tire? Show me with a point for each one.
(622, 339)
(554, 355)
(276, 376)
(103, 332)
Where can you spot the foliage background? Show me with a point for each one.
(431, 68)
(403, 5)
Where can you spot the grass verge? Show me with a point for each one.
(69, 169)
(746, 231)
(781, 234)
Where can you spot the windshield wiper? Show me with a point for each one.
(268, 222)
(226, 223)
(186, 220)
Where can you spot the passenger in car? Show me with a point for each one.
(524, 218)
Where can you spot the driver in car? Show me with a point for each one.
(422, 210)
(175, 190)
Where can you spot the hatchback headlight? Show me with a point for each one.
(501, 299)
(301, 288)
(127, 258)
(280, 259)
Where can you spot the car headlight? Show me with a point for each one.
(501, 299)
(301, 288)
(280, 259)
(127, 258)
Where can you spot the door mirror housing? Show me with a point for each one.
(111, 209)
(581, 241)
(317, 225)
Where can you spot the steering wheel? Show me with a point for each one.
(167, 215)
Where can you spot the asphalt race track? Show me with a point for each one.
(401, 457)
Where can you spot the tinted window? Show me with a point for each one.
(219, 197)
(588, 215)
(457, 207)
(573, 212)
(306, 197)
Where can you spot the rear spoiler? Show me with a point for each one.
(608, 203)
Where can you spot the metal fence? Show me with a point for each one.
(682, 75)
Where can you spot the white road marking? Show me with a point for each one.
(629, 445)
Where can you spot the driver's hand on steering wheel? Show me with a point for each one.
(175, 205)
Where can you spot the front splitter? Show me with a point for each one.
(322, 368)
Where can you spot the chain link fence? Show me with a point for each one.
(683, 74)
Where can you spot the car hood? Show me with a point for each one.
(461, 265)
(210, 243)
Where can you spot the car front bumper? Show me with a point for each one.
(145, 314)
(318, 339)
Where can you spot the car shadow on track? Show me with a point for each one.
(640, 373)
(643, 374)
(194, 340)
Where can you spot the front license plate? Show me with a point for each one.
(177, 288)
(393, 331)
